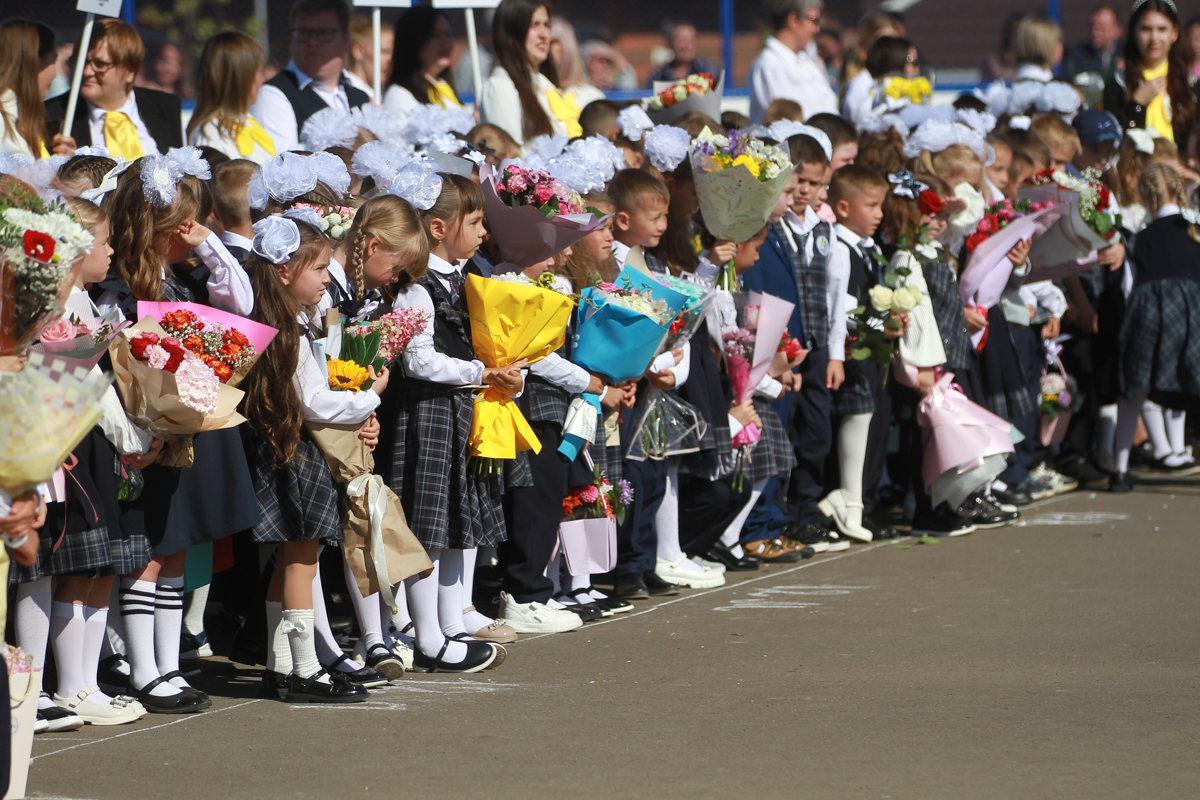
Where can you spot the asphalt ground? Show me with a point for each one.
(1057, 659)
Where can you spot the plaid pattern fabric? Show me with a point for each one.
(130, 553)
(1006, 393)
(773, 455)
(1160, 339)
(298, 500)
(810, 285)
(542, 401)
(948, 310)
(608, 459)
(857, 395)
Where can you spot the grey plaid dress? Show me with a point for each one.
(774, 454)
(298, 500)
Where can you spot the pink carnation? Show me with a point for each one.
(156, 356)
(543, 193)
(589, 494)
(517, 183)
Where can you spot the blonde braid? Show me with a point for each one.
(354, 270)
(1160, 185)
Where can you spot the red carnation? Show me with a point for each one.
(793, 349)
(677, 325)
(930, 203)
(172, 346)
(138, 346)
(174, 361)
(38, 245)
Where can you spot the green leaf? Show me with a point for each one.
(891, 278)
(595, 212)
(370, 347)
(927, 539)
(892, 324)
(875, 254)
(860, 353)
(549, 209)
(858, 311)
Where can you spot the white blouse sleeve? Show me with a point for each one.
(322, 404)
(683, 369)
(500, 105)
(837, 280)
(562, 373)
(399, 102)
(229, 286)
(421, 359)
(921, 343)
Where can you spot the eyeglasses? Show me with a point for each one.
(814, 20)
(100, 67)
(324, 35)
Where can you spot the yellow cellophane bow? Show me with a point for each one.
(915, 89)
(510, 322)
(250, 134)
(440, 94)
(565, 111)
(1158, 112)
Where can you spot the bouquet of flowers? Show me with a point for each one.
(547, 280)
(397, 329)
(533, 217)
(335, 220)
(81, 342)
(227, 343)
(1088, 219)
(1058, 399)
(697, 92)
(694, 311)
(999, 216)
(876, 316)
(588, 533)
(41, 248)
(738, 180)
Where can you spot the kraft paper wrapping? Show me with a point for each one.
(735, 204)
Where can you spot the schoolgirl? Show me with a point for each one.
(293, 486)
(227, 83)
(155, 211)
(451, 508)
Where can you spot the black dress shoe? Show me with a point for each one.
(364, 677)
(1013, 495)
(1082, 470)
(480, 656)
(808, 534)
(658, 587)
(1120, 482)
(981, 514)
(274, 685)
(723, 555)
(586, 611)
(314, 690)
(943, 522)
(614, 604)
(384, 661)
(188, 701)
(583, 598)
(632, 587)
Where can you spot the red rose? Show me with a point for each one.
(180, 320)
(1102, 202)
(174, 361)
(38, 245)
(138, 346)
(793, 349)
(194, 343)
(236, 337)
(543, 192)
(930, 203)
(974, 240)
(230, 351)
(677, 325)
(173, 347)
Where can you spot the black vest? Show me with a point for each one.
(451, 331)
(307, 102)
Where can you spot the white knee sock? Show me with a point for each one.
(95, 623)
(852, 457)
(1156, 427)
(666, 522)
(33, 619)
(1127, 417)
(114, 634)
(400, 618)
(1177, 431)
(732, 536)
(279, 654)
(366, 609)
(472, 620)
(1106, 431)
(298, 625)
(137, 613)
(327, 646)
(450, 593)
(67, 632)
(423, 605)
(193, 618)
(554, 573)
(168, 624)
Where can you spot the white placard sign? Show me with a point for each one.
(105, 8)
(384, 3)
(465, 3)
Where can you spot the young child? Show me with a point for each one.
(231, 208)
(452, 509)
(1019, 172)
(996, 175)
(599, 118)
(962, 169)
(83, 172)
(1158, 358)
(843, 138)
(294, 488)
(641, 202)
(1060, 139)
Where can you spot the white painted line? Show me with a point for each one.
(1077, 518)
(189, 718)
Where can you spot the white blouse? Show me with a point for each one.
(921, 343)
(322, 404)
(500, 104)
(209, 135)
(421, 358)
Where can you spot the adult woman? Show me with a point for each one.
(895, 75)
(1038, 48)
(572, 76)
(27, 68)
(521, 96)
(165, 70)
(856, 80)
(1155, 91)
(421, 66)
(227, 84)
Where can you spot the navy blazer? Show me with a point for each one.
(775, 273)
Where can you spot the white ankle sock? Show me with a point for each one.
(67, 633)
(33, 619)
(367, 609)
(137, 614)
(95, 623)
(298, 625)
(1127, 417)
(450, 593)
(168, 624)
(472, 620)
(279, 654)
(1177, 431)
(423, 605)
(554, 573)
(193, 618)
(737, 551)
(733, 534)
(580, 582)
(327, 646)
(1156, 427)
(666, 519)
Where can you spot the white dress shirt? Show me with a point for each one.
(500, 104)
(400, 101)
(278, 117)
(13, 142)
(231, 239)
(620, 253)
(921, 343)
(837, 276)
(322, 404)
(210, 135)
(780, 73)
(96, 117)
(421, 358)
(857, 95)
(1033, 72)
(337, 274)
(361, 85)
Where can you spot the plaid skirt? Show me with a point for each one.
(1006, 393)
(1160, 343)
(299, 501)
(450, 501)
(857, 394)
(608, 459)
(773, 455)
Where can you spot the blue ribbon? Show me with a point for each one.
(572, 444)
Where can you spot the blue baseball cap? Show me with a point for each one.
(1096, 127)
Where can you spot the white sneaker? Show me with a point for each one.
(675, 572)
(115, 712)
(400, 649)
(537, 617)
(713, 565)
(1061, 484)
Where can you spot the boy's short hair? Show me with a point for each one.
(1030, 144)
(1056, 132)
(496, 139)
(882, 151)
(599, 117)
(781, 108)
(853, 179)
(229, 189)
(629, 188)
(804, 149)
(838, 130)
(734, 121)
(310, 8)
(696, 121)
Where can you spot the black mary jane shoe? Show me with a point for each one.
(1120, 482)
(501, 651)
(613, 604)
(274, 685)
(365, 677)
(384, 661)
(587, 612)
(583, 598)
(658, 587)
(181, 674)
(314, 690)
(188, 701)
(480, 656)
(723, 555)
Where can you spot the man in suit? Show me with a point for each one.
(314, 79)
(130, 122)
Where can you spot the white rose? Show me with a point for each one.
(681, 93)
(904, 300)
(881, 298)
(337, 231)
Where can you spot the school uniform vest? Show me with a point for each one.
(450, 321)
(810, 285)
(306, 102)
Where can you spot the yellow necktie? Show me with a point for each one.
(565, 110)
(1158, 112)
(440, 94)
(45, 152)
(250, 134)
(121, 138)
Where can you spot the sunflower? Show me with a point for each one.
(346, 375)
